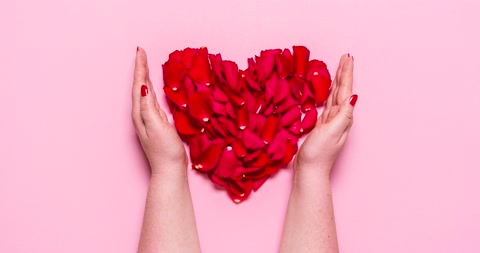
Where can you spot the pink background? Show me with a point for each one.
(73, 178)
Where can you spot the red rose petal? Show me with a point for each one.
(230, 110)
(216, 61)
(259, 182)
(300, 60)
(178, 97)
(259, 124)
(183, 123)
(251, 155)
(199, 71)
(308, 100)
(295, 127)
(219, 129)
(227, 163)
(230, 69)
(296, 87)
(261, 160)
(268, 60)
(252, 140)
(219, 95)
(238, 173)
(277, 148)
(239, 190)
(291, 116)
(269, 110)
(283, 65)
(286, 105)
(173, 74)
(250, 101)
(252, 69)
(189, 86)
(187, 56)
(239, 149)
(317, 66)
(241, 117)
(217, 180)
(219, 109)
(309, 121)
(234, 97)
(252, 83)
(200, 106)
(281, 91)
(228, 125)
(209, 159)
(175, 56)
(321, 87)
(271, 87)
(290, 151)
(197, 143)
(269, 129)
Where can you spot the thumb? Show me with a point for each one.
(344, 117)
(148, 111)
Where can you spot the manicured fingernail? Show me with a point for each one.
(137, 49)
(144, 90)
(348, 55)
(353, 99)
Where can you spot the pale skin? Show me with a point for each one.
(169, 220)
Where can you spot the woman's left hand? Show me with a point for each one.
(160, 141)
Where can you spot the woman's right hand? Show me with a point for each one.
(321, 147)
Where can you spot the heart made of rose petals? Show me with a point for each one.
(242, 126)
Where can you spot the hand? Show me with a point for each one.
(159, 139)
(323, 144)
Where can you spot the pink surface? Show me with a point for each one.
(73, 178)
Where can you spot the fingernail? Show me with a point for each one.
(353, 99)
(144, 90)
(137, 49)
(348, 55)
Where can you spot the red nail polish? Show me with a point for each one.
(144, 90)
(348, 55)
(353, 99)
(137, 49)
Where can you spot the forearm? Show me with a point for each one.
(310, 223)
(169, 220)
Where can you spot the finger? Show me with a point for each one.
(346, 81)
(149, 114)
(139, 79)
(340, 122)
(344, 136)
(338, 78)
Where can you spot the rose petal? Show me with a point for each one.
(290, 150)
(283, 66)
(219, 95)
(241, 117)
(217, 180)
(239, 190)
(239, 148)
(321, 87)
(286, 105)
(295, 128)
(271, 87)
(200, 106)
(234, 97)
(183, 123)
(277, 147)
(269, 129)
(230, 110)
(317, 66)
(230, 69)
(269, 110)
(252, 83)
(268, 60)
(241, 82)
(178, 97)
(175, 56)
(219, 109)
(209, 159)
(291, 116)
(187, 56)
(228, 125)
(300, 60)
(259, 182)
(308, 100)
(261, 160)
(238, 173)
(281, 91)
(296, 87)
(173, 74)
(252, 140)
(227, 163)
(216, 61)
(197, 143)
(189, 86)
(219, 129)
(309, 121)
(250, 101)
(259, 123)
(252, 155)
(199, 70)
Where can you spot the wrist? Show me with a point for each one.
(309, 176)
(169, 173)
